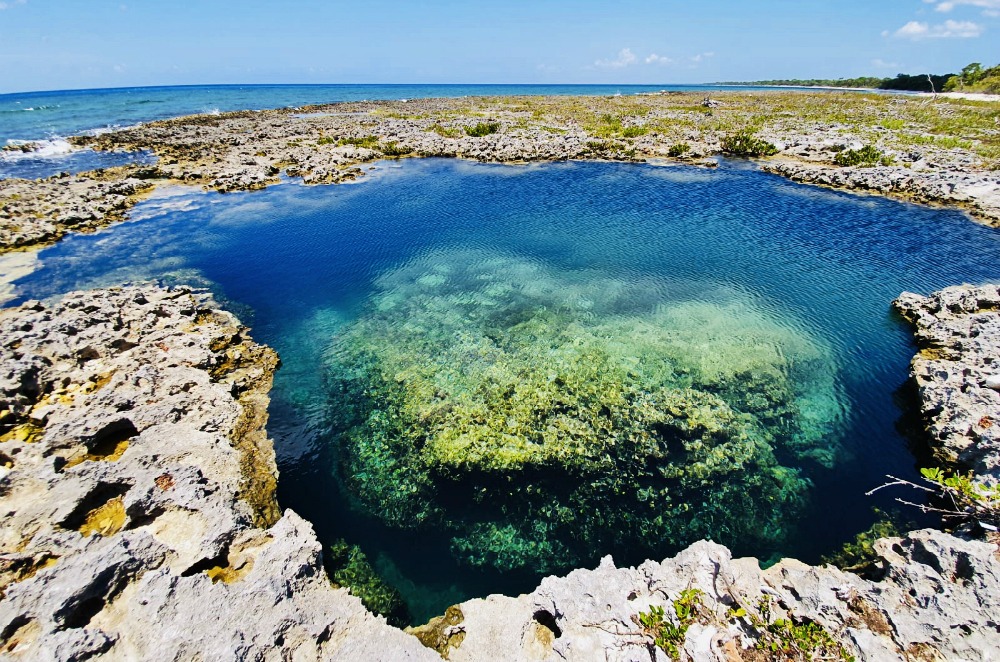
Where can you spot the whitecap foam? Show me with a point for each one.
(52, 147)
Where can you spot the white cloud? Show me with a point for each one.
(653, 58)
(8, 5)
(702, 56)
(989, 7)
(948, 30)
(625, 58)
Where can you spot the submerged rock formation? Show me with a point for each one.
(139, 522)
(544, 417)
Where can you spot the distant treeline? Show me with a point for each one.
(974, 78)
(915, 83)
(864, 81)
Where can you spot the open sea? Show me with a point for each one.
(492, 373)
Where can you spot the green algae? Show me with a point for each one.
(543, 416)
(348, 566)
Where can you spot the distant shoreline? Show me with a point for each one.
(809, 87)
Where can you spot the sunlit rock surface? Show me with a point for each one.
(957, 372)
(137, 491)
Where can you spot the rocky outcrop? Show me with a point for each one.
(137, 492)
(957, 372)
(977, 192)
(34, 212)
(938, 600)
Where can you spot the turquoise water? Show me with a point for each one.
(733, 297)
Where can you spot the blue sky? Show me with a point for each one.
(68, 44)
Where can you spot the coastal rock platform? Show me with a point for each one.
(250, 150)
(137, 488)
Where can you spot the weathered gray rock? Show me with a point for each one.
(956, 369)
(249, 150)
(137, 494)
(938, 600)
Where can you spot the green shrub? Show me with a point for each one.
(866, 157)
(667, 635)
(394, 149)
(745, 143)
(445, 132)
(634, 131)
(482, 129)
(679, 149)
(368, 142)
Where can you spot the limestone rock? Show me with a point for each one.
(956, 369)
(939, 597)
(139, 519)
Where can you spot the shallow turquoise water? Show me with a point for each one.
(805, 271)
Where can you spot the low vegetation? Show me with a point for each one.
(444, 131)
(367, 142)
(668, 633)
(393, 148)
(867, 157)
(745, 143)
(482, 129)
(678, 149)
(774, 637)
(958, 498)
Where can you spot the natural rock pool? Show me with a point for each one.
(492, 373)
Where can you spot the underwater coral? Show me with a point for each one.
(544, 416)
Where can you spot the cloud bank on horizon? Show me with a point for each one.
(66, 44)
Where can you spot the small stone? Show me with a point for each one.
(993, 382)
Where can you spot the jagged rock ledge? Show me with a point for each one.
(976, 192)
(957, 372)
(137, 492)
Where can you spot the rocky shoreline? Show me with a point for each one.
(957, 373)
(250, 150)
(138, 488)
(137, 481)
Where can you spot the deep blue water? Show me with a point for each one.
(299, 263)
